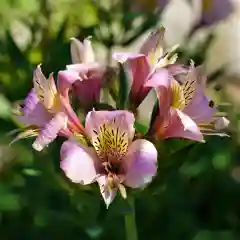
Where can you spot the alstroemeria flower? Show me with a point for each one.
(142, 65)
(46, 114)
(185, 110)
(115, 160)
(214, 11)
(85, 75)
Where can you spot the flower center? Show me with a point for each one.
(110, 141)
(182, 95)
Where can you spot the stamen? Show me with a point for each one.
(178, 100)
(110, 141)
(189, 89)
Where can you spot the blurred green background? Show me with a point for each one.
(196, 194)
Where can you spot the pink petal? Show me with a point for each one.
(140, 163)
(161, 81)
(85, 79)
(78, 162)
(176, 69)
(34, 113)
(123, 57)
(154, 39)
(72, 116)
(199, 108)
(66, 79)
(88, 91)
(159, 78)
(50, 131)
(124, 120)
(182, 126)
(107, 194)
(139, 69)
(216, 12)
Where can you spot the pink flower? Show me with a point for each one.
(142, 65)
(84, 76)
(212, 11)
(115, 160)
(47, 114)
(185, 111)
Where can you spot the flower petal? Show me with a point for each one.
(107, 193)
(153, 41)
(213, 12)
(140, 163)
(122, 119)
(199, 108)
(139, 70)
(221, 123)
(78, 162)
(33, 111)
(89, 56)
(77, 51)
(66, 79)
(182, 126)
(160, 80)
(88, 91)
(50, 131)
(85, 80)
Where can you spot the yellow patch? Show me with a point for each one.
(46, 91)
(206, 5)
(110, 141)
(178, 100)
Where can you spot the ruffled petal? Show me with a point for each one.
(108, 194)
(121, 119)
(33, 112)
(50, 131)
(182, 126)
(78, 162)
(84, 79)
(140, 163)
(66, 79)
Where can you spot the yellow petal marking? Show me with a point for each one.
(110, 141)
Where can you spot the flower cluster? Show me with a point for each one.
(107, 149)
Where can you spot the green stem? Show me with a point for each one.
(130, 224)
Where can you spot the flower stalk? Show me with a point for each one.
(130, 222)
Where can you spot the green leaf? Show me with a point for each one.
(140, 128)
(155, 112)
(123, 88)
(103, 106)
(17, 57)
(5, 107)
(173, 146)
